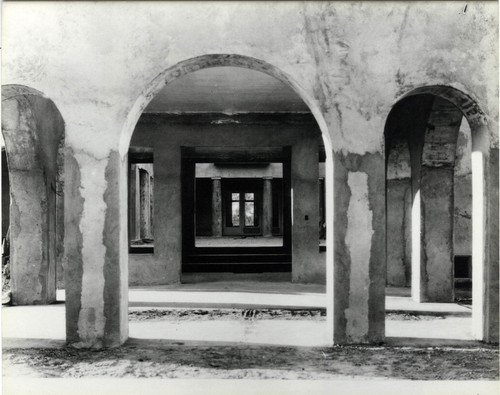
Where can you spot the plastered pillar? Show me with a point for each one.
(32, 240)
(359, 238)
(399, 232)
(435, 280)
(399, 197)
(267, 207)
(168, 214)
(96, 251)
(216, 207)
(33, 236)
(305, 208)
(491, 278)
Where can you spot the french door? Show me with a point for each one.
(242, 202)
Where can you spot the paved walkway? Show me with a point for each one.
(23, 325)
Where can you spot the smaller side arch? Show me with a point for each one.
(33, 132)
(485, 199)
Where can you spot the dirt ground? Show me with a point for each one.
(183, 360)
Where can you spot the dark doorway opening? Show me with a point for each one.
(242, 212)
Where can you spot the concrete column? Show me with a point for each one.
(398, 189)
(491, 278)
(168, 214)
(33, 201)
(145, 196)
(435, 278)
(359, 237)
(267, 207)
(307, 265)
(59, 196)
(485, 236)
(32, 236)
(216, 207)
(95, 250)
(399, 232)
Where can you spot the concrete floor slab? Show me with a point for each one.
(451, 322)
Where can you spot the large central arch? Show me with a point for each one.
(234, 60)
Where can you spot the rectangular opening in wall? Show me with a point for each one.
(141, 203)
(238, 205)
(322, 201)
(236, 209)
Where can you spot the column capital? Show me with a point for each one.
(216, 178)
(267, 177)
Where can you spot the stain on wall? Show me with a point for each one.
(350, 67)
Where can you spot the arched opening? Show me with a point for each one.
(203, 156)
(448, 141)
(33, 133)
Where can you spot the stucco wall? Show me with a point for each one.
(350, 62)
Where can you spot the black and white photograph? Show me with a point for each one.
(250, 197)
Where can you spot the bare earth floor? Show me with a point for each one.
(165, 359)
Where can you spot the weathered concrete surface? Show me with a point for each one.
(491, 325)
(348, 67)
(399, 199)
(437, 203)
(267, 207)
(399, 232)
(33, 131)
(306, 263)
(96, 284)
(115, 269)
(359, 272)
(462, 227)
(216, 207)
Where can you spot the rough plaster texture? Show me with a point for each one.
(359, 219)
(308, 264)
(399, 200)
(462, 227)
(33, 131)
(359, 293)
(491, 308)
(437, 203)
(347, 66)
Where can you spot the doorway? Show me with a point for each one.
(242, 207)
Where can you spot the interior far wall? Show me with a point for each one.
(167, 138)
